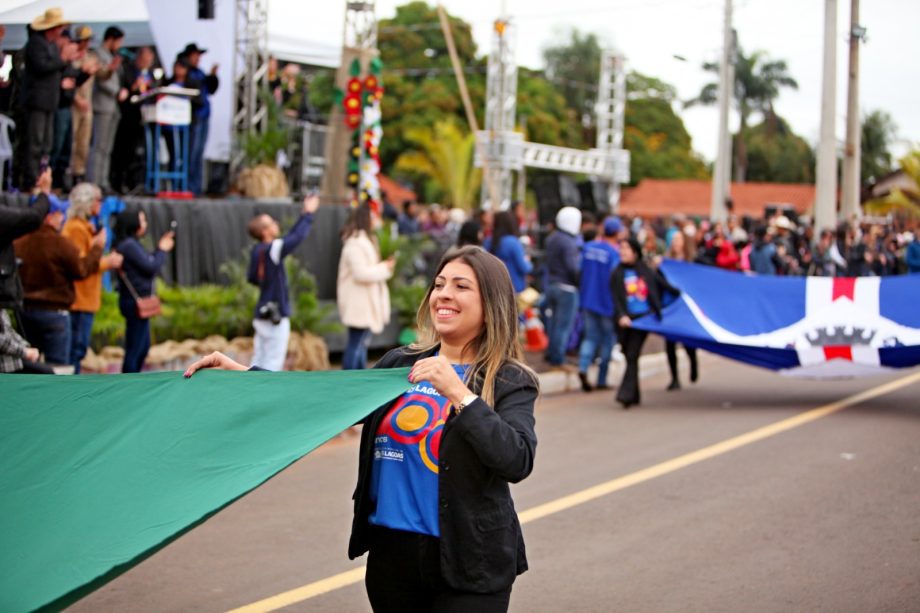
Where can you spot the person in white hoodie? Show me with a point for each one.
(563, 272)
(362, 294)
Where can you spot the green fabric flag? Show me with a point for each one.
(100, 472)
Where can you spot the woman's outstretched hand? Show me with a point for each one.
(214, 360)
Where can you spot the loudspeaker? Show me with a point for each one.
(205, 9)
(594, 198)
(554, 192)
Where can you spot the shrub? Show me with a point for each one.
(203, 310)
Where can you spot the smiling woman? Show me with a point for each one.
(433, 504)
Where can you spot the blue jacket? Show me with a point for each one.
(599, 259)
(511, 252)
(269, 257)
(563, 258)
(209, 85)
(913, 256)
(763, 258)
(140, 267)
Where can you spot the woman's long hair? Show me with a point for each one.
(358, 221)
(503, 224)
(497, 342)
(469, 234)
(126, 225)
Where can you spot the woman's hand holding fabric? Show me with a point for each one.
(214, 360)
(440, 373)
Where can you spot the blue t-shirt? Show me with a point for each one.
(511, 252)
(404, 473)
(598, 260)
(636, 292)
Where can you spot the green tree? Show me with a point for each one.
(905, 201)
(657, 140)
(776, 154)
(443, 156)
(878, 133)
(574, 66)
(758, 80)
(543, 110)
(420, 88)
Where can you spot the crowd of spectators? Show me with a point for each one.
(76, 102)
(51, 264)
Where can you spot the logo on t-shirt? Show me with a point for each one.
(415, 423)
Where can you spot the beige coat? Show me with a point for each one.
(363, 296)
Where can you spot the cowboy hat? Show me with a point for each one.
(784, 223)
(83, 33)
(51, 18)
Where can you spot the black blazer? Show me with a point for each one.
(654, 280)
(482, 451)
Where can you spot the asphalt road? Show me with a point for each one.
(820, 514)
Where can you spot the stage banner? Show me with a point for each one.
(101, 471)
(815, 327)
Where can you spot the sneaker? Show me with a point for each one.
(585, 386)
(675, 385)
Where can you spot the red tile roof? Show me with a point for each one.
(657, 197)
(396, 193)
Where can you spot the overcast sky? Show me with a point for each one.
(651, 32)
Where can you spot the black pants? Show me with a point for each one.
(670, 348)
(404, 576)
(39, 138)
(632, 340)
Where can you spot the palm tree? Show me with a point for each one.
(757, 84)
(444, 154)
(906, 201)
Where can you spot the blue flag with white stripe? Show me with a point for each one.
(801, 326)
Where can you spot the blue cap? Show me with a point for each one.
(57, 205)
(612, 226)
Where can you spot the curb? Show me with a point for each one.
(565, 380)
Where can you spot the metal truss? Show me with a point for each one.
(501, 145)
(611, 164)
(611, 113)
(250, 72)
(502, 150)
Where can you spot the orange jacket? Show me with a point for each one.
(88, 291)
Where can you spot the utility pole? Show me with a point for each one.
(826, 192)
(717, 211)
(851, 156)
(728, 132)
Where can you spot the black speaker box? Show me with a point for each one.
(594, 198)
(205, 9)
(554, 192)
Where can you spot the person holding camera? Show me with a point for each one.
(272, 322)
(135, 280)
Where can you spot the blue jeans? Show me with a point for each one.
(49, 332)
(598, 342)
(198, 138)
(137, 341)
(564, 305)
(81, 326)
(355, 356)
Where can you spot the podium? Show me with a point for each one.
(167, 112)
